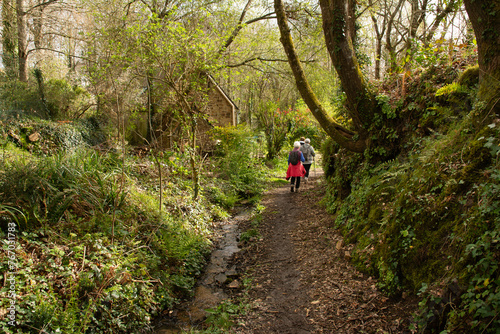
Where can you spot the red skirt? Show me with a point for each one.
(298, 170)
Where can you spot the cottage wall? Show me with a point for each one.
(221, 112)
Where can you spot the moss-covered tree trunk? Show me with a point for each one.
(339, 42)
(485, 18)
(352, 81)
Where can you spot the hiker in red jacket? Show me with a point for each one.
(295, 168)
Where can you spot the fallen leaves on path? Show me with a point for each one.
(302, 280)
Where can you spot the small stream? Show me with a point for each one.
(209, 290)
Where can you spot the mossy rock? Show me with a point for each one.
(470, 77)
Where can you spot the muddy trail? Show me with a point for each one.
(303, 281)
(301, 277)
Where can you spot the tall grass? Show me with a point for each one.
(82, 182)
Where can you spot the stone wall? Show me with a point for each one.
(220, 110)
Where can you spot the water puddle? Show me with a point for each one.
(210, 287)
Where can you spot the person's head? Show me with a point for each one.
(302, 138)
(307, 140)
(296, 144)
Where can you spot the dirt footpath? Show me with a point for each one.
(302, 281)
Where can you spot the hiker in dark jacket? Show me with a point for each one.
(309, 154)
(295, 168)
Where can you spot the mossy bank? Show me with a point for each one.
(426, 220)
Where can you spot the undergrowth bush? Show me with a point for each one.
(305, 125)
(58, 99)
(95, 253)
(238, 162)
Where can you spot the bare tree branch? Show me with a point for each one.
(246, 61)
(240, 24)
(43, 5)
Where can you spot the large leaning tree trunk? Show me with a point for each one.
(339, 42)
(485, 18)
(361, 102)
(452, 6)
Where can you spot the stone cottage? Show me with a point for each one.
(220, 111)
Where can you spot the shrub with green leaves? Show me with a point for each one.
(305, 125)
(55, 99)
(95, 253)
(238, 162)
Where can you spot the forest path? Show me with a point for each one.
(302, 281)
